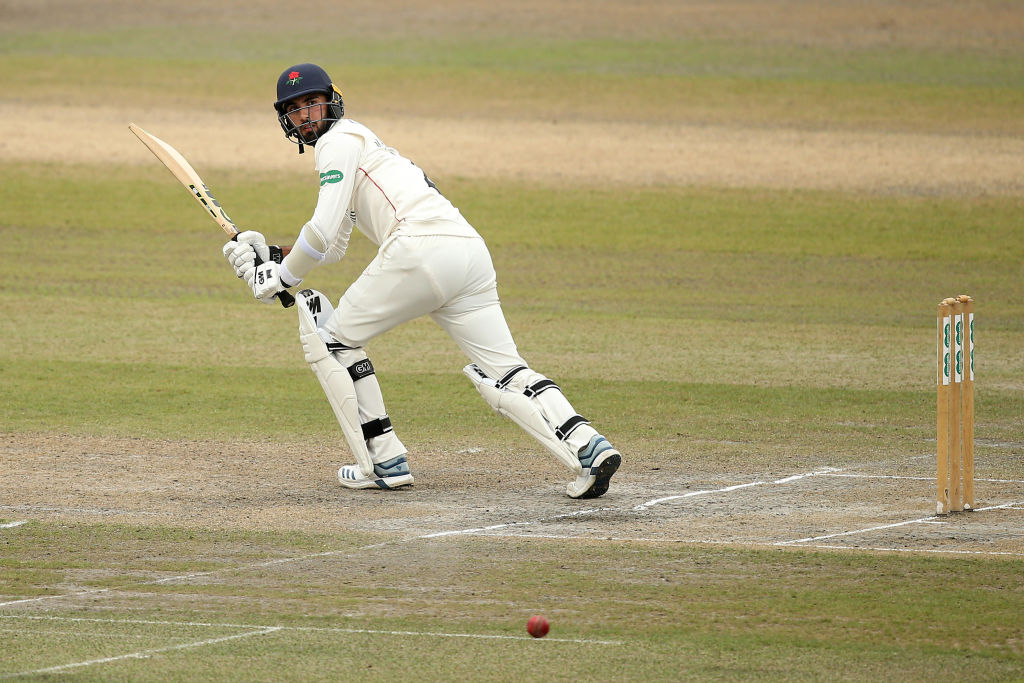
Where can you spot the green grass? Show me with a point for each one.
(707, 58)
(666, 612)
(717, 312)
(718, 81)
(672, 252)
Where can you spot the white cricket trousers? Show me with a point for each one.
(451, 279)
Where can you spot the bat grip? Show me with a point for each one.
(284, 296)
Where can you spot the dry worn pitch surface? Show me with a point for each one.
(879, 506)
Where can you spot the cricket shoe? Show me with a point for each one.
(389, 474)
(599, 460)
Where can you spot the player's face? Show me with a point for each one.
(306, 113)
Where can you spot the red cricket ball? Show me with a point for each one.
(537, 626)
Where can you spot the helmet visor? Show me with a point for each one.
(305, 123)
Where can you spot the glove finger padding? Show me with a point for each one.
(243, 260)
(257, 241)
(241, 256)
(250, 237)
(248, 273)
(233, 250)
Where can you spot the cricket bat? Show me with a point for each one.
(187, 176)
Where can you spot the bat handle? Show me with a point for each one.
(284, 296)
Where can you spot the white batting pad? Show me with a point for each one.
(525, 413)
(314, 309)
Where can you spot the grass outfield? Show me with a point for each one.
(784, 297)
(619, 611)
(167, 503)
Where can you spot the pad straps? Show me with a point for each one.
(509, 376)
(360, 369)
(536, 389)
(569, 426)
(378, 427)
(539, 387)
(381, 425)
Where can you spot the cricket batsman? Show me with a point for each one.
(430, 261)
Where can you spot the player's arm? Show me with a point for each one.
(330, 227)
(338, 159)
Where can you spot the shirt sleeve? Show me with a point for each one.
(325, 236)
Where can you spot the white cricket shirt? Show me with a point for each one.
(368, 185)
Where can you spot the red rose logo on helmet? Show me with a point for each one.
(294, 78)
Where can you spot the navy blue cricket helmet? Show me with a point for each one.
(304, 79)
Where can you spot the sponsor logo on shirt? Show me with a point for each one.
(331, 177)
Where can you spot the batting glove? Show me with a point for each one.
(268, 280)
(246, 250)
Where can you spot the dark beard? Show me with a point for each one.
(311, 133)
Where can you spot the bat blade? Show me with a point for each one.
(187, 176)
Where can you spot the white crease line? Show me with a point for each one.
(41, 598)
(816, 473)
(474, 530)
(748, 544)
(11, 525)
(937, 551)
(493, 527)
(62, 632)
(84, 511)
(196, 575)
(579, 513)
(309, 629)
(929, 519)
(144, 653)
(853, 475)
(258, 565)
(704, 492)
(880, 476)
(824, 472)
(1004, 506)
